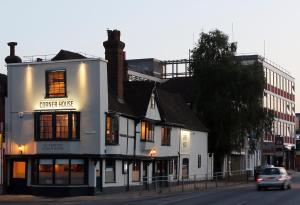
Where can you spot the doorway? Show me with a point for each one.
(18, 177)
(99, 176)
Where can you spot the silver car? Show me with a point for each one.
(275, 177)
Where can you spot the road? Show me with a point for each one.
(242, 195)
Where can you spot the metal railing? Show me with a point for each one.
(162, 184)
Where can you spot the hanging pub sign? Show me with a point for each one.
(50, 104)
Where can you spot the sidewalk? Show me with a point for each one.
(101, 196)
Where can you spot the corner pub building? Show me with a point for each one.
(77, 126)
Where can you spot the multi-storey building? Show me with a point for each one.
(75, 126)
(278, 98)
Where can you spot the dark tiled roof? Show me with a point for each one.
(181, 85)
(115, 106)
(172, 108)
(67, 55)
(137, 96)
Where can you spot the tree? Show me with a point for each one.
(229, 94)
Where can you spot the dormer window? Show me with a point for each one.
(56, 83)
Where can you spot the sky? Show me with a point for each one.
(162, 29)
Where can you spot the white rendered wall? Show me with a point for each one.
(86, 85)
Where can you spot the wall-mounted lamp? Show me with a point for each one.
(21, 148)
(153, 152)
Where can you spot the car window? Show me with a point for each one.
(283, 171)
(270, 171)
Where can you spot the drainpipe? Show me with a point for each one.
(178, 163)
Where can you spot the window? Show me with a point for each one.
(57, 126)
(199, 161)
(46, 171)
(19, 170)
(171, 167)
(136, 171)
(110, 171)
(77, 171)
(61, 171)
(152, 102)
(147, 131)
(185, 168)
(165, 136)
(56, 83)
(112, 130)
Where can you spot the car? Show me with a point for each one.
(273, 177)
(259, 168)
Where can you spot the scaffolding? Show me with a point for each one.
(176, 68)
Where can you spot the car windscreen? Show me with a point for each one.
(270, 171)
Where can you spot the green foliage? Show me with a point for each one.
(229, 93)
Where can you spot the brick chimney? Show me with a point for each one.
(115, 55)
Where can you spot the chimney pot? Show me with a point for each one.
(12, 58)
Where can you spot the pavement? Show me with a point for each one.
(242, 194)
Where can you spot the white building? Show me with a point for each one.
(75, 127)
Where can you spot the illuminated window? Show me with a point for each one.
(56, 83)
(19, 170)
(61, 171)
(46, 171)
(147, 131)
(45, 126)
(112, 130)
(136, 171)
(62, 128)
(165, 136)
(77, 171)
(57, 126)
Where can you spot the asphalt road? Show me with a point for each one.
(242, 195)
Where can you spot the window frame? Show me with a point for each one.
(147, 137)
(199, 161)
(138, 165)
(114, 170)
(47, 95)
(113, 119)
(37, 127)
(35, 179)
(165, 133)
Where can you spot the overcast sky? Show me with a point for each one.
(163, 29)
